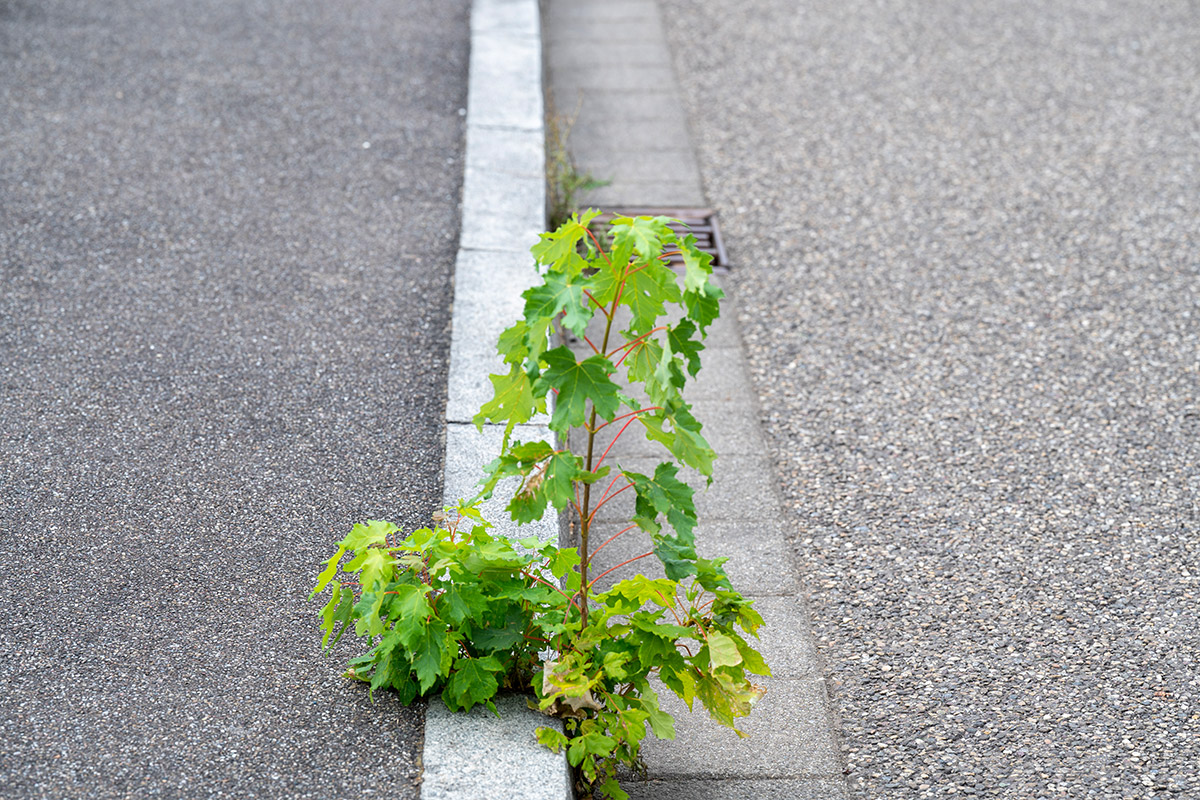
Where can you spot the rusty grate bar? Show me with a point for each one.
(700, 222)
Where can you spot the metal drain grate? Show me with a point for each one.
(700, 222)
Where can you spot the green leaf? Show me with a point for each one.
(409, 606)
(559, 294)
(377, 567)
(362, 536)
(336, 610)
(635, 592)
(682, 344)
(328, 573)
(647, 290)
(550, 738)
(433, 656)
(752, 660)
(559, 249)
(512, 402)
(663, 494)
(578, 383)
(703, 308)
(472, 681)
(661, 723)
(514, 343)
(642, 235)
(562, 471)
(614, 665)
(697, 266)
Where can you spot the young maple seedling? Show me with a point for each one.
(457, 609)
(582, 280)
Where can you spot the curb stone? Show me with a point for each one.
(478, 755)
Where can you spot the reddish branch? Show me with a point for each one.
(618, 566)
(611, 538)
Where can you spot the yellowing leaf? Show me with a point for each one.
(722, 650)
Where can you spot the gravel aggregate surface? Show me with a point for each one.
(966, 239)
(227, 231)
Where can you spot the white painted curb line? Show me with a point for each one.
(476, 755)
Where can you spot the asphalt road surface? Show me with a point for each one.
(967, 248)
(226, 236)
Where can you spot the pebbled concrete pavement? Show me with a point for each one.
(968, 238)
(226, 240)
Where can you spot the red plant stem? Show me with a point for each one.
(599, 249)
(614, 441)
(632, 342)
(614, 536)
(610, 485)
(618, 566)
(570, 599)
(630, 414)
(599, 306)
(595, 349)
(605, 500)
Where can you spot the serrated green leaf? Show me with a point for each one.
(703, 308)
(641, 235)
(752, 660)
(697, 265)
(682, 344)
(559, 249)
(564, 560)
(661, 723)
(614, 665)
(328, 573)
(377, 567)
(647, 289)
(362, 535)
(577, 384)
(559, 294)
(472, 681)
(409, 607)
(512, 402)
(513, 343)
(432, 657)
(551, 738)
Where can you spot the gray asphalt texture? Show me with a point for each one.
(966, 239)
(223, 340)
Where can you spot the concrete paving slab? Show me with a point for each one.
(759, 555)
(732, 429)
(760, 558)
(478, 754)
(487, 302)
(743, 489)
(782, 742)
(652, 193)
(498, 94)
(599, 54)
(735, 789)
(598, 105)
(501, 211)
(642, 135)
(506, 151)
(591, 17)
(467, 450)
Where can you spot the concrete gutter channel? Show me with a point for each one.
(792, 750)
